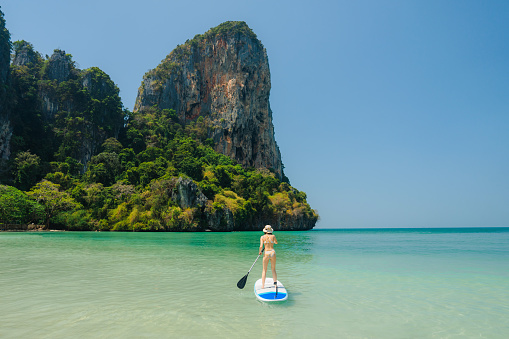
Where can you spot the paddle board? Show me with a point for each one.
(268, 293)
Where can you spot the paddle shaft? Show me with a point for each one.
(253, 264)
(242, 281)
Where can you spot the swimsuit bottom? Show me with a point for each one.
(270, 253)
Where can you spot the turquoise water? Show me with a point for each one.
(391, 283)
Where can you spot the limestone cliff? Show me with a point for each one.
(154, 169)
(5, 124)
(223, 76)
(57, 70)
(61, 111)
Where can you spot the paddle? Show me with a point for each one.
(242, 282)
(275, 297)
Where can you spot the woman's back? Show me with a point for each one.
(269, 240)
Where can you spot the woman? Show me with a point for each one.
(268, 240)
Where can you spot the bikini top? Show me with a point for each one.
(268, 240)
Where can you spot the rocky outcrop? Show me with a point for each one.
(186, 194)
(281, 222)
(221, 220)
(59, 66)
(25, 55)
(107, 120)
(223, 76)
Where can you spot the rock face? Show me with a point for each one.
(107, 120)
(58, 68)
(223, 76)
(25, 55)
(187, 194)
(5, 123)
(5, 53)
(69, 112)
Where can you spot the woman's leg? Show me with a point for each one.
(273, 267)
(264, 272)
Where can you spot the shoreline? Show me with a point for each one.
(21, 227)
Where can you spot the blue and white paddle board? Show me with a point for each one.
(268, 294)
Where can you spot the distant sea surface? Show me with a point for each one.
(357, 283)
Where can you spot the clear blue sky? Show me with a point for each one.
(387, 113)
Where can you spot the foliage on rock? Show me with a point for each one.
(60, 111)
(88, 164)
(223, 77)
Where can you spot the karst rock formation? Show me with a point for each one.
(222, 75)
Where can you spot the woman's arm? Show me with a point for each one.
(261, 245)
(275, 240)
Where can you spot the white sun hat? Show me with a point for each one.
(268, 229)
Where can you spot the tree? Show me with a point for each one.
(112, 145)
(127, 159)
(136, 139)
(26, 169)
(104, 168)
(186, 160)
(17, 208)
(54, 201)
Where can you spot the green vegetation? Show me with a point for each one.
(56, 120)
(226, 28)
(133, 183)
(53, 200)
(17, 208)
(81, 162)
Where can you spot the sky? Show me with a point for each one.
(387, 113)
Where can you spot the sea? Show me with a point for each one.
(342, 283)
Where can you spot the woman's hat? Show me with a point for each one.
(268, 229)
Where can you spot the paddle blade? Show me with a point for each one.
(242, 282)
